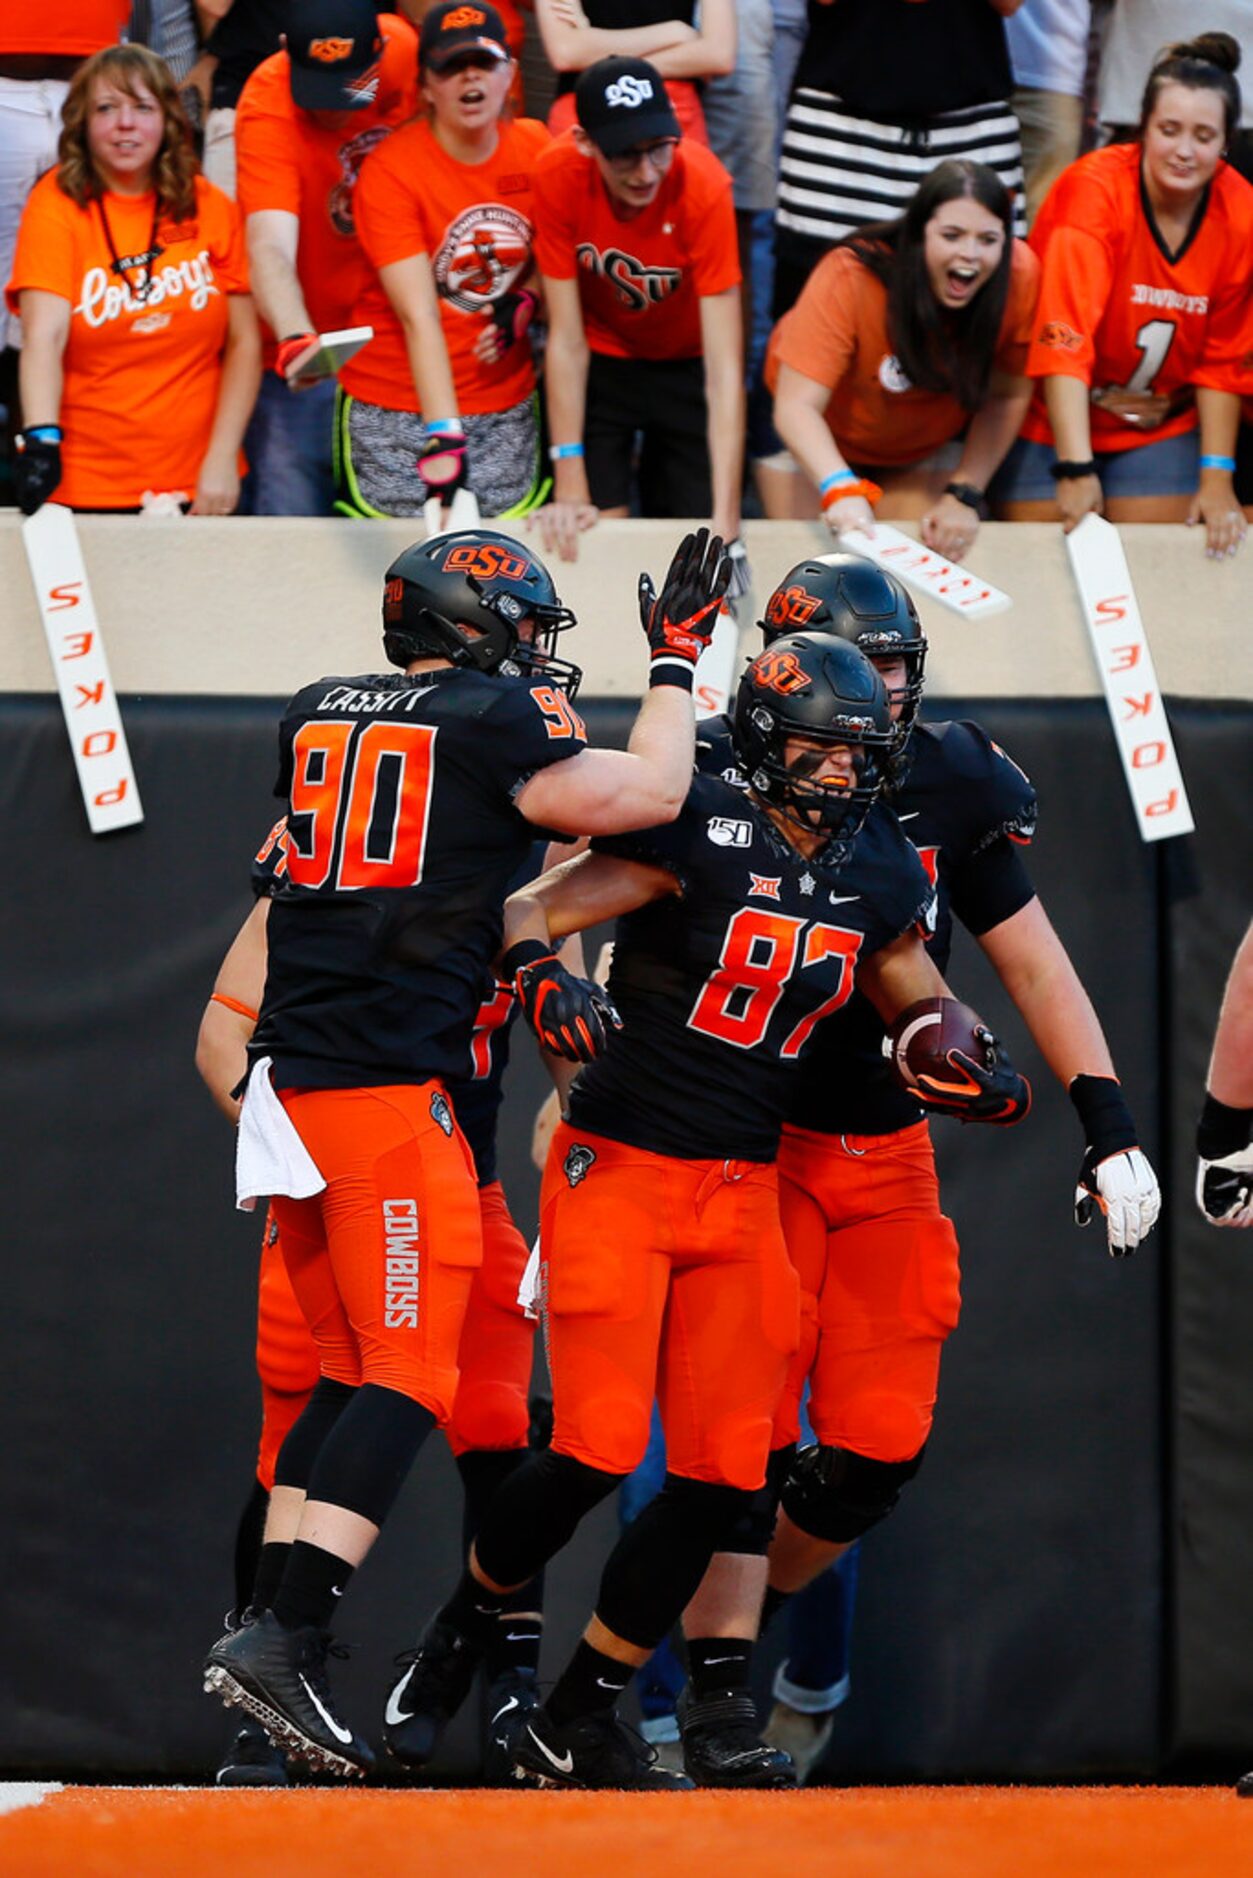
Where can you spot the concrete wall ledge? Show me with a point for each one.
(257, 607)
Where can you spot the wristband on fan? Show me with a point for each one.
(1222, 1130)
(971, 497)
(39, 433)
(836, 476)
(842, 492)
(559, 452)
(1227, 463)
(525, 952)
(444, 427)
(1066, 469)
(291, 348)
(1106, 1119)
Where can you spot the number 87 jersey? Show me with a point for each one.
(402, 841)
(721, 985)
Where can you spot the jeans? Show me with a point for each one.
(288, 446)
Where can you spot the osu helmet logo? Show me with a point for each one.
(393, 601)
(330, 51)
(1061, 337)
(485, 561)
(791, 607)
(780, 671)
(463, 16)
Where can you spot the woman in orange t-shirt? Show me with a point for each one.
(444, 396)
(141, 354)
(908, 336)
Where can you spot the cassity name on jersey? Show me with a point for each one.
(637, 285)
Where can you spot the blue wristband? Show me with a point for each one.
(51, 433)
(444, 427)
(560, 451)
(835, 479)
(1227, 463)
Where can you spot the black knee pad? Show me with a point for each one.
(535, 1512)
(653, 1571)
(835, 1495)
(310, 1429)
(753, 1529)
(483, 1472)
(365, 1460)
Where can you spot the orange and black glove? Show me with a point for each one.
(571, 1017)
(680, 620)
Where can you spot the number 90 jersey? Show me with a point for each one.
(721, 985)
(402, 842)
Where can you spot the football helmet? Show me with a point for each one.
(815, 686)
(465, 596)
(849, 596)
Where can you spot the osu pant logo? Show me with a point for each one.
(577, 1163)
(637, 286)
(400, 1231)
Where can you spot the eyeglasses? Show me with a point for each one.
(658, 156)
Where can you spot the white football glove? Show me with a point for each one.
(741, 572)
(1224, 1188)
(1125, 1189)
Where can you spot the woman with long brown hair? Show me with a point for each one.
(141, 354)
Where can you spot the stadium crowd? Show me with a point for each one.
(1002, 273)
(739, 236)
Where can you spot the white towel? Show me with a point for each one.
(270, 1157)
(530, 1285)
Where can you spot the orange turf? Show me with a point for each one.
(895, 1832)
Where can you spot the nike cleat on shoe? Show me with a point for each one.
(1244, 1786)
(252, 1760)
(721, 1745)
(279, 1676)
(437, 1678)
(509, 1700)
(595, 1751)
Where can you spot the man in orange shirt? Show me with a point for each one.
(306, 121)
(636, 242)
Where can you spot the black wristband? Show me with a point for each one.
(1063, 470)
(1106, 1119)
(1221, 1130)
(972, 497)
(668, 669)
(525, 952)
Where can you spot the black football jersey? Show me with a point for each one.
(402, 842)
(722, 986)
(969, 810)
(477, 1093)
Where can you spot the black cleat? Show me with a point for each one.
(590, 1751)
(722, 1747)
(509, 1700)
(437, 1678)
(1244, 1786)
(279, 1676)
(252, 1760)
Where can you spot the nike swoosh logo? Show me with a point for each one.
(337, 1729)
(511, 1703)
(520, 1636)
(911, 817)
(616, 1687)
(337, 1591)
(394, 1714)
(843, 899)
(711, 1660)
(564, 1763)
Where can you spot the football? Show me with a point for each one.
(919, 1042)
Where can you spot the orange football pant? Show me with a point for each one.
(880, 1288)
(491, 1406)
(382, 1259)
(670, 1279)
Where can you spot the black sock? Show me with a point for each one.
(590, 1684)
(773, 1604)
(716, 1664)
(312, 1586)
(271, 1564)
(473, 1610)
(516, 1635)
(248, 1544)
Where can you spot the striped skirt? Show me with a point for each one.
(837, 172)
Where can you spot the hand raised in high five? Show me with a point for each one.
(680, 620)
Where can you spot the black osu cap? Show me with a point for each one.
(334, 47)
(623, 102)
(460, 26)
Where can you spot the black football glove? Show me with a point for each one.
(1224, 1168)
(994, 1091)
(680, 622)
(442, 464)
(570, 1016)
(37, 466)
(1115, 1178)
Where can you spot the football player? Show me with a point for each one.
(876, 1255)
(1224, 1135)
(412, 799)
(739, 927)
